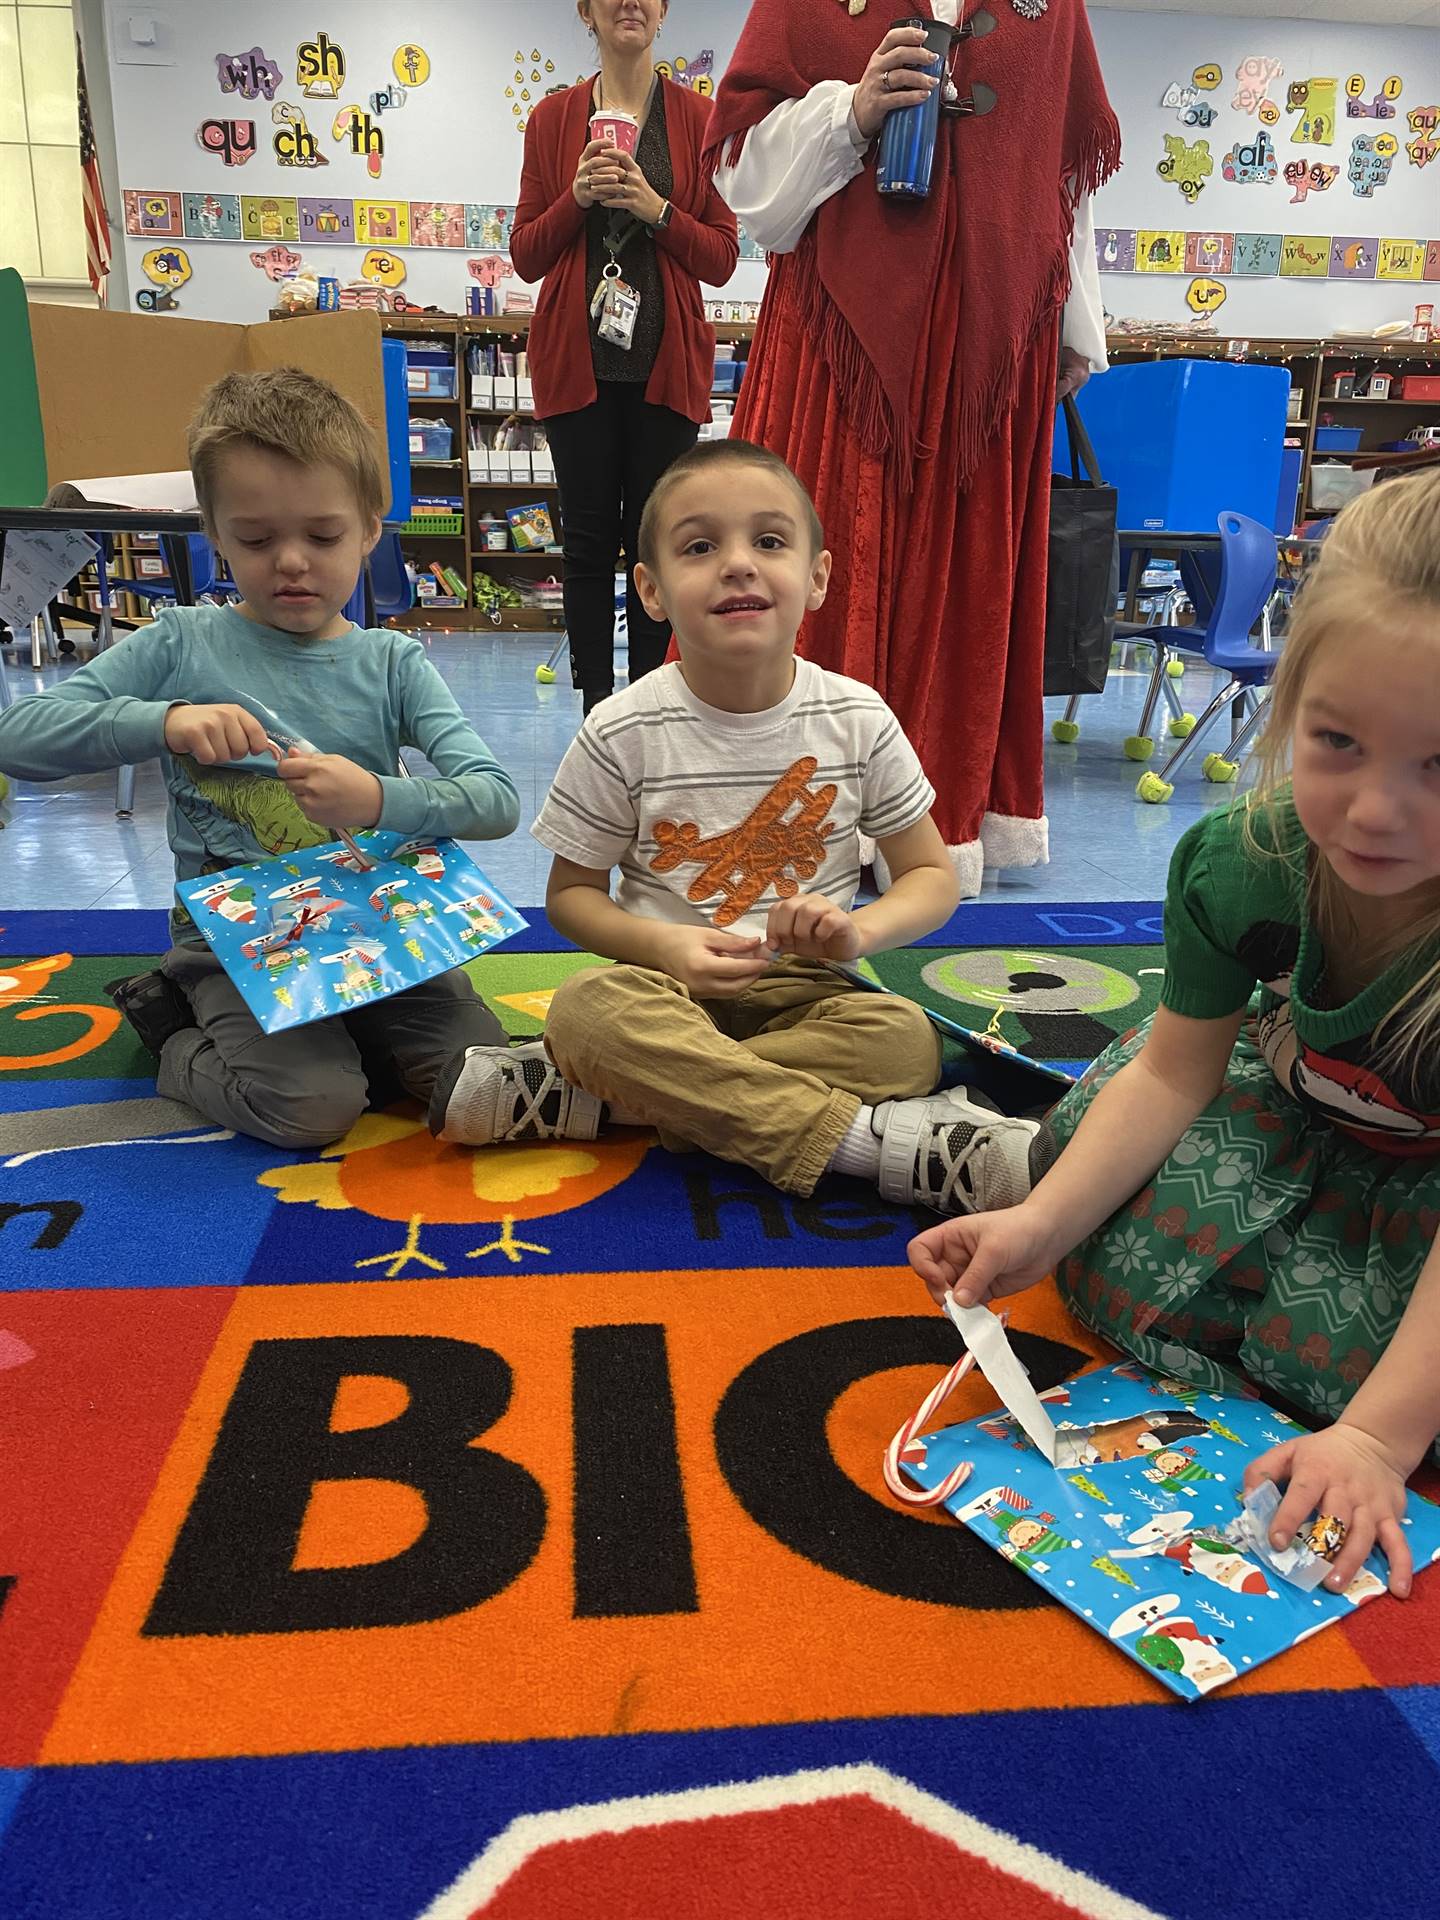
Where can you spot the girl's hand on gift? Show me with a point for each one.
(331, 790)
(812, 928)
(982, 1256)
(1345, 1473)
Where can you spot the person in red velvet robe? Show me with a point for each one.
(905, 362)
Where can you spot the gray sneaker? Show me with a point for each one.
(953, 1153)
(487, 1096)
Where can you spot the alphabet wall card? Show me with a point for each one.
(327, 221)
(153, 214)
(749, 249)
(1204, 295)
(1251, 163)
(248, 74)
(1371, 157)
(1188, 105)
(383, 268)
(271, 216)
(320, 68)
(1253, 79)
(277, 263)
(1400, 260)
(232, 141)
(1307, 177)
(1257, 255)
(697, 74)
(1314, 101)
(437, 223)
(1431, 269)
(1187, 165)
(490, 269)
(388, 99)
(212, 216)
(1353, 256)
(1208, 77)
(1115, 249)
(1209, 252)
(366, 139)
(1425, 126)
(1303, 256)
(1382, 107)
(1159, 250)
(295, 145)
(166, 268)
(488, 226)
(410, 65)
(382, 223)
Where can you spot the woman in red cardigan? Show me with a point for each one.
(618, 413)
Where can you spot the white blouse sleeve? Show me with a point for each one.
(1084, 328)
(792, 162)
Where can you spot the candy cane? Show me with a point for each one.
(906, 1447)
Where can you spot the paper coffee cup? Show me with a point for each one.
(620, 130)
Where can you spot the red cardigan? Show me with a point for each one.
(547, 242)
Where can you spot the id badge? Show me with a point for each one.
(619, 310)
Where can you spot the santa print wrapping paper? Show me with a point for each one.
(1135, 1544)
(312, 934)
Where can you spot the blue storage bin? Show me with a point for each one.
(1186, 440)
(397, 427)
(1337, 439)
(1287, 507)
(430, 440)
(430, 370)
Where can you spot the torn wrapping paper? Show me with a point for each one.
(1118, 1494)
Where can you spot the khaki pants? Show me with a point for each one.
(772, 1078)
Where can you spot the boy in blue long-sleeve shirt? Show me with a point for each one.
(290, 485)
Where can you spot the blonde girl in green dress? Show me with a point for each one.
(1246, 1191)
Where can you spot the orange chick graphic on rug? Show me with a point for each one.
(391, 1167)
(22, 993)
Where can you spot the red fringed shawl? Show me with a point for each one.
(992, 241)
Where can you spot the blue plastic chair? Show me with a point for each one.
(1242, 592)
(392, 592)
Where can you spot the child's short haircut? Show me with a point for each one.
(714, 453)
(290, 413)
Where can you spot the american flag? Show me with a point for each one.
(97, 225)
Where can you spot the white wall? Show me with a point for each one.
(1142, 53)
(456, 139)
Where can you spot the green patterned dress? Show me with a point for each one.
(1284, 1235)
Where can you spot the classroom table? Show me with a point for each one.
(1148, 543)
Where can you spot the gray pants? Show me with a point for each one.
(309, 1085)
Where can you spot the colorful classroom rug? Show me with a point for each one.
(398, 1531)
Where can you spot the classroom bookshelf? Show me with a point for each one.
(459, 540)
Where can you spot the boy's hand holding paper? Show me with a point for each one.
(982, 1256)
(214, 734)
(813, 928)
(331, 790)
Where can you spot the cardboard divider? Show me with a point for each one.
(117, 390)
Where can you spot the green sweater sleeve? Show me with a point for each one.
(470, 796)
(1205, 898)
(109, 713)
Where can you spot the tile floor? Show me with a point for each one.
(65, 848)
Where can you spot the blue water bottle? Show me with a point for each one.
(907, 140)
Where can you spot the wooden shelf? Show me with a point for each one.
(514, 553)
(1358, 401)
(508, 486)
(432, 536)
(433, 399)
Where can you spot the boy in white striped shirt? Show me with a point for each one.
(731, 791)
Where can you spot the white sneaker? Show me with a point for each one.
(486, 1096)
(949, 1152)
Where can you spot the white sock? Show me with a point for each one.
(859, 1152)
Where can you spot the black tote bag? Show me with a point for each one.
(1084, 580)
